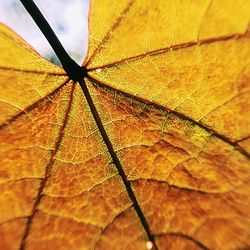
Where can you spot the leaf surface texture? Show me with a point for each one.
(169, 83)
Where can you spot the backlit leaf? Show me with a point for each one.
(158, 152)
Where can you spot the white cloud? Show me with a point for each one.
(69, 20)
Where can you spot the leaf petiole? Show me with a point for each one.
(74, 71)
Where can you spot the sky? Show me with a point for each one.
(68, 19)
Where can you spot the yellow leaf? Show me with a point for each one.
(151, 150)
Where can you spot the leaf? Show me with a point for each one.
(155, 147)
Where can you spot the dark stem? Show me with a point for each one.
(77, 73)
(74, 71)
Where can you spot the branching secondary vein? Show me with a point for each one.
(47, 172)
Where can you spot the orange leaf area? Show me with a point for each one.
(149, 151)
